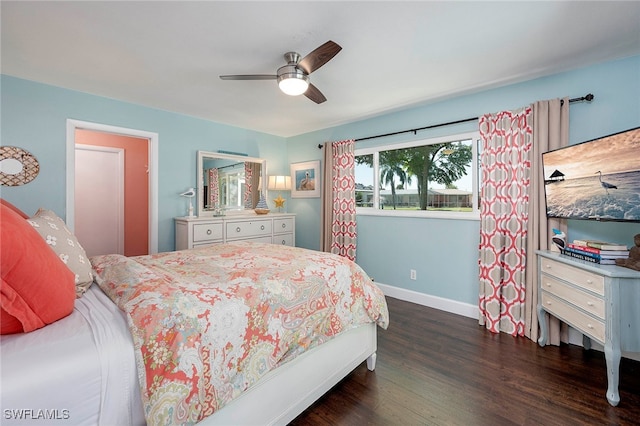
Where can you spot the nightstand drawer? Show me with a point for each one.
(248, 229)
(281, 226)
(582, 322)
(587, 301)
(579, 277)
(207, 231)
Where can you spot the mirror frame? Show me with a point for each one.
(200, 176)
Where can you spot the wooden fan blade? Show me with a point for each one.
(319, 57)
(314, 94)
(249, 77)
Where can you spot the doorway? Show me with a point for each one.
(100, 199)
(140, 201)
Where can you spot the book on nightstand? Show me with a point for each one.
(611, 254)
(589, 257)
(602, 245)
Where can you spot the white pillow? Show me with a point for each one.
(65, 245)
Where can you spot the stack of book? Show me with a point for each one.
(596, 251)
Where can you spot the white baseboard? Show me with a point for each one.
(447, 305)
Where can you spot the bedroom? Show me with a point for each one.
(34, 116)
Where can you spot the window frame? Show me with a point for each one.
(475, 176)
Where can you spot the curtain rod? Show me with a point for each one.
(589, 97)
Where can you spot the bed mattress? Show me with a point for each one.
(97, 349)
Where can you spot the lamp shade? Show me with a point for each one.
(279, 183)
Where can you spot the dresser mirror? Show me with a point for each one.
(228, 183)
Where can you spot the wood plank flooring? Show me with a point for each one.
(437, 368)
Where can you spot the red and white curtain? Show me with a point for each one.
(504, 209)
(338, 218)
(248, 186)
(213, 188)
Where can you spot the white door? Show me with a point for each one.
(99, 199)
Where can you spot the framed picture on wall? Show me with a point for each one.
(305, 178)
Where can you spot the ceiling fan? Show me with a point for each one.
(293, 78)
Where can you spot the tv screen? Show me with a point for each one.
(595, 180)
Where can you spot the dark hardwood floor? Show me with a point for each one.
(436, 368)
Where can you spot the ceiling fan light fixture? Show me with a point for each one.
(292, 81)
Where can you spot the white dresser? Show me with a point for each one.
(276, 228)
(600, 301)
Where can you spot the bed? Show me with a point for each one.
(127, 355)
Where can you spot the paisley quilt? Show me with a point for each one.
(208, 323)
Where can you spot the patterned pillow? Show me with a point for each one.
(66, 245)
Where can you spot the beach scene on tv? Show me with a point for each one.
(595, 180)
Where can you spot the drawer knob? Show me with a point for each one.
(284, 225)
(548, 266)
(590, 326)
(590, 303)
(208, 231)
(262, 227)
(589, 282)
(549, 303)
(238, 229)
(284, 242)
(548, 284)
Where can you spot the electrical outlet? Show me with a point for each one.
(413, 274)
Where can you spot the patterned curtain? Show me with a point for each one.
(338, 221)
(214, 190)
(248, 185)
(504, 210)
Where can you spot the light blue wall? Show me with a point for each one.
(33, 117)
(445, 252)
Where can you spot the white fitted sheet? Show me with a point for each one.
(80, 369)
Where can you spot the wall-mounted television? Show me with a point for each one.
(595, 180)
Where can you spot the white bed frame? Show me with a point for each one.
(287, 391)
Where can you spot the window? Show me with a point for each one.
(433, 177)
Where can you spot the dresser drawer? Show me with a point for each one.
(579, 320)
(589, 302)
(248, 229)
(579, 277)
(207, 231)
(282, 225)
(283, 239)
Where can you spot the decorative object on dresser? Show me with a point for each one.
(189, 194)
(262, 207)
(305, 178)
(279, 183)
(599, 301)
(633, 260)
(276, 228)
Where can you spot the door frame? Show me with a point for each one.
(152, 138)
(119, 152)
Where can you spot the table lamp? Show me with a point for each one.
(279, 183)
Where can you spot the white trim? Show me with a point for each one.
(447, 305)
(424, 214)
(473, 136)
(153, 138)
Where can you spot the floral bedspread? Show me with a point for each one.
(208, 323)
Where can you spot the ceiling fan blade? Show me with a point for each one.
(319, 57)
(249, 77)
(314, 94)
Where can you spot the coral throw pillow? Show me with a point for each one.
(66, 245)
(37, 287)
(14, 208)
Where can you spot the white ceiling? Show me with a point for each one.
(168, 55)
